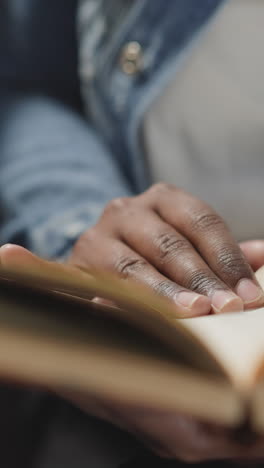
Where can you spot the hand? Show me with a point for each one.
(176, 245)
(173, 436)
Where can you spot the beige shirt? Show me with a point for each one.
(205, 132)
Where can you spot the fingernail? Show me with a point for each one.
(249, 291)
(225, 301)
(194, 303)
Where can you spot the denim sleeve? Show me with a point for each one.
(55, 175)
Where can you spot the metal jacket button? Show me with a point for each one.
(131, 58)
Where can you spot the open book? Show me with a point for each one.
(53, 336)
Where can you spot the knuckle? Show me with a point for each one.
(201, 282)
(116, 205)
(89, 236)
(170, 245)
(164, 288)
(206, 221)
(128, 266)
(161, 187)
(232, 263)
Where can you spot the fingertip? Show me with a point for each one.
(103, 302)
(250, 292)
(201, 306)
(192, 304)
(8, 252)
(257, 244)
(6, 247)
(254, 252)
(12, 255)
(226, 301)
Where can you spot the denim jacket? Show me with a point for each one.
(58, 168)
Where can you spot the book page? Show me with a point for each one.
(65, 346)
(236, 340)
(139, 305)
(233, 341)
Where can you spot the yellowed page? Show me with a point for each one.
(260, 276)
(236, 340)
(140, 306)
(134, 379)
(67, 347)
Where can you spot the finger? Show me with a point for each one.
(174, 256)
(185, 438)
(212, 239)
(24, 265)
(102, 301)
(167, 434)
(111, 255)
(173, 435)
(17, 259)
(10, 253)
(254, 253)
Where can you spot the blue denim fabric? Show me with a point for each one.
(116, 101)
(55, 174)
(57, 169)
